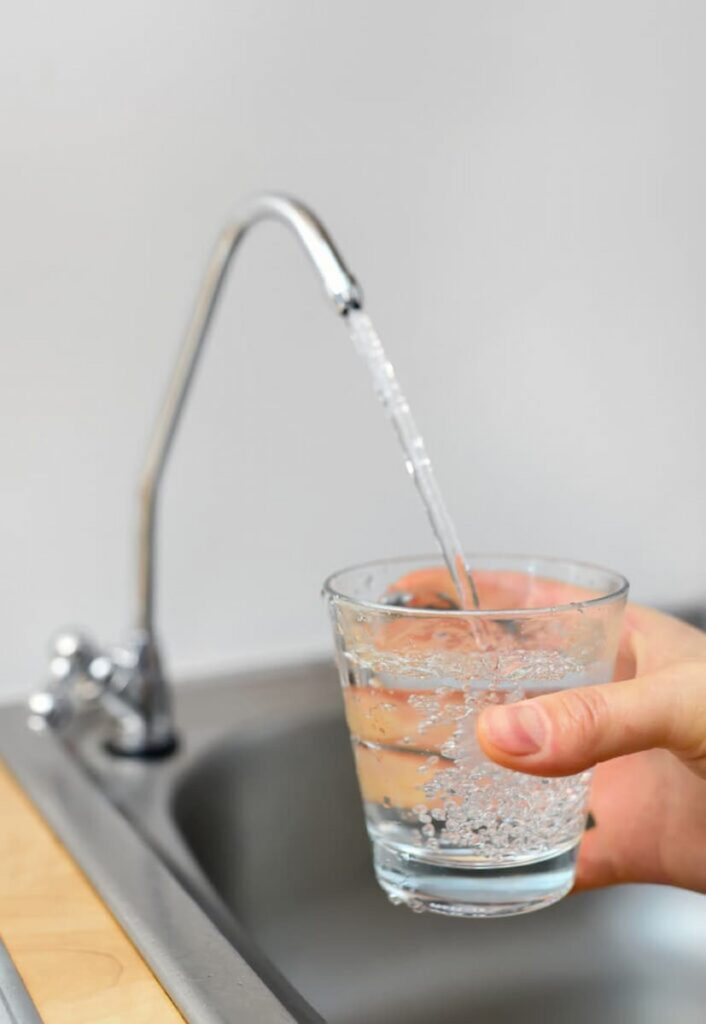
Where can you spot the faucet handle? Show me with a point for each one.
(71, 654)
(78, 675)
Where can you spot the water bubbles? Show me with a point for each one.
(468, 803)
(491, 810)
(423, 703)
(458, 667)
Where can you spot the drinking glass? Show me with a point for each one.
(452, 831)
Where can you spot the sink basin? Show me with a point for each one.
(257, 820)
(276, 826)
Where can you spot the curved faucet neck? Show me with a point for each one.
(340, 287)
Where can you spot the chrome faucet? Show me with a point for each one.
(127, 682)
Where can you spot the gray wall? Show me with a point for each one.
(520, 189)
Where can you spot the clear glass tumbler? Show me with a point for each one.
(451, 831)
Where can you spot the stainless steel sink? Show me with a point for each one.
(275, 824)
(257, 817)
(276, 827)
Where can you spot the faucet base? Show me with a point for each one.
(148, 752)
(138, 700)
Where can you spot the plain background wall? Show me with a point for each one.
(519, 188)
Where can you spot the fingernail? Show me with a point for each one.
(517, 729)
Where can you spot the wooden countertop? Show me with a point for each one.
(77, 963)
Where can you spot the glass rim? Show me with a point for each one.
(610, 597)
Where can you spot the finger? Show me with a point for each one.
(569, 731)
(652, 640)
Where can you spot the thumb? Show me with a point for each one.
(567, 732)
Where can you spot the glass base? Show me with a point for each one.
(473, 891)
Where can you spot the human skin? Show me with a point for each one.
(646, 732)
